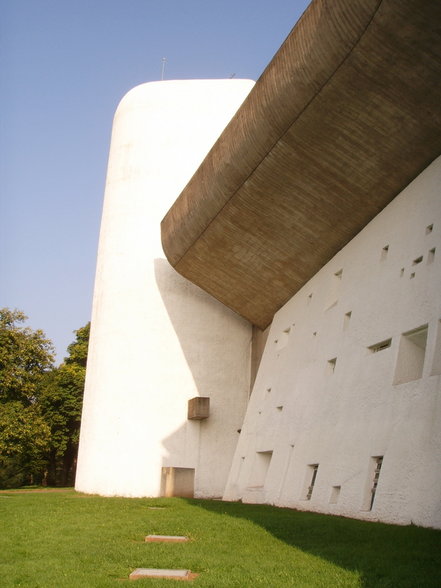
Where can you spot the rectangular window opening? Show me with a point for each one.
(411, 355)
(380, 346)
(335, 494)
(373, 477)
(311, 476)
(378, 464)
(260, 470)
(417, 260)
(431, 256)
(436, 362)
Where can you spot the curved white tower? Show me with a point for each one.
(156, 339)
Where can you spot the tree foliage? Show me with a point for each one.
(24, 443)
(25, 355)
(40, 404)
(78, 349)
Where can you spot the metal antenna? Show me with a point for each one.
(164, 61)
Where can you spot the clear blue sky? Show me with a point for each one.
(65, 65)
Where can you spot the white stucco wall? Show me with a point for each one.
(157, 340)
(307, 411)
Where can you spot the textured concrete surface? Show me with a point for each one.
(351, 372)
(345, 116)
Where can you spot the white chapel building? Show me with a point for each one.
(266, 321)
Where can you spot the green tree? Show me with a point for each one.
(40, 405)
(60, 400)
(24, 444)
(25, 356)
(78, 349)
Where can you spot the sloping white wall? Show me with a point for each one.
(340, 385)
(157, 340)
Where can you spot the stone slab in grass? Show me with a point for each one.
(166, 539)
(158, 573)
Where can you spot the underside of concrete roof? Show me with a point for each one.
(344, 117)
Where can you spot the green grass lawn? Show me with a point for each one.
(67, 539)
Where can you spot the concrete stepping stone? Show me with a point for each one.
(166, 539)
(157, 573)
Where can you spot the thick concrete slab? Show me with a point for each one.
(166, 539)
(158, 573)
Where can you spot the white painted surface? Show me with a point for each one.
(323, 397)
(156, 339)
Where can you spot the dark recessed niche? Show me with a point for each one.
(381, 346)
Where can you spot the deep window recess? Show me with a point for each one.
(436, 363)
(380, 346)
(335, 493)
(378, 463)
(313, 473)
(261, 467)
(373, 477)
(411, 355)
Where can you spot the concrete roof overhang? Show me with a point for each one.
(344, 117)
